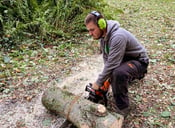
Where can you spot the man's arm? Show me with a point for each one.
(116, 54)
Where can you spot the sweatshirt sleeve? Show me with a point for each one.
(115, 57)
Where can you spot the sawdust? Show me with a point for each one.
(18, 114)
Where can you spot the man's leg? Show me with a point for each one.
(121, 76)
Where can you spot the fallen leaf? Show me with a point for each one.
(165, 114)
(145, 100)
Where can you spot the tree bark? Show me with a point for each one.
(81, 112)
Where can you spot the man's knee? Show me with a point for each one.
(119, 74)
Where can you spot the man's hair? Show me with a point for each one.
(92, 18)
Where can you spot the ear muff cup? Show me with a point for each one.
(102, 23)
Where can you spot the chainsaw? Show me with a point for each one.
(98, 96)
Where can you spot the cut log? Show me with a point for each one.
(80, 111)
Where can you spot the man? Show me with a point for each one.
(125, 59)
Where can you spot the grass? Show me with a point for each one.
(152, 22)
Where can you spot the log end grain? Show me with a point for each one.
(101, 109)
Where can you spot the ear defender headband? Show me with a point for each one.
(100, 21)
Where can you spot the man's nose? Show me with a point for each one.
(90, 33)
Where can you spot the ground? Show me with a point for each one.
(153, 23)
(32, 114)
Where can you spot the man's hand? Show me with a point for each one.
(95, 86)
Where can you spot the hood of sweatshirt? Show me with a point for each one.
(111, 26)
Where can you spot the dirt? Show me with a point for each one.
(32, 114)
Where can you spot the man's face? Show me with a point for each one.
(94, 30)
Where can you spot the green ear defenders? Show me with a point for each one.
(100, 21)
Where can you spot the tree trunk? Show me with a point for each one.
(81, 112)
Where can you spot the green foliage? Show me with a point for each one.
(46, 19)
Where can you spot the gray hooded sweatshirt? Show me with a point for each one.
(117, 44)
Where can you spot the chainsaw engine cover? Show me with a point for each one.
(96, 96)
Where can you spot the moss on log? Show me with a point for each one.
(81, 112)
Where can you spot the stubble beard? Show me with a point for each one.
(100, 36)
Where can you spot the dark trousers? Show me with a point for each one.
(121, 77)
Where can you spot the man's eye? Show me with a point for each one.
(91, 30)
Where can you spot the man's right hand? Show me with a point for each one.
(95, 86)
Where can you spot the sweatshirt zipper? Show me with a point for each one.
(106, 48)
